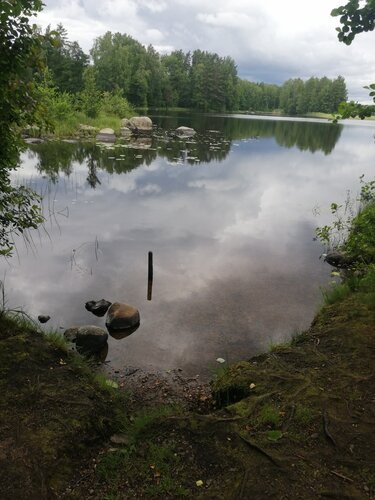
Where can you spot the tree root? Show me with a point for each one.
(261, 451)
(326, 429)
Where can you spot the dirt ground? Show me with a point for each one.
(297, 422)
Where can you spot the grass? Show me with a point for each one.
(303, 415)
(269, 415)
(147, 418)
(335, 293)
(152, 463)
(155, 474)
(57, 340)
(68, 126)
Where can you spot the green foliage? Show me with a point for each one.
(65, 60)
(313, 95)
(53, 105)
(57, 340)
(335, 293)
(115, 104)
(303, 415)
(147, 418)
(269, 415)
(353, 234)
(333, 236)
(19, 58)
(89, 98)
(354, 19)
(353, 109)
(274, 436)
(156, 474)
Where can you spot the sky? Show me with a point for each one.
(270, 41)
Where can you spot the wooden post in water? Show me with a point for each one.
(150, 276)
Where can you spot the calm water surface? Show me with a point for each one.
(229, 217)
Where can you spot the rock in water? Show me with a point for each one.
(42, 318)
(106, 135)
(339, 260)
(98, 307)
(122, 316)
(138, 124)
(185, 132)
(88, 338)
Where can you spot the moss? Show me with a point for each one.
(56, 407)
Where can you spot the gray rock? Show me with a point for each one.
(121, 317)
(125, 132)
(106, 135)
(88, 338)
(33, 140)
(185, 132)
(120, 439)
(71, 333)
(138, 124)
(98, 307)
(339, 259)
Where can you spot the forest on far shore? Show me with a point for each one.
(122, 66)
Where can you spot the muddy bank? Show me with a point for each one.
(301, 427)
(296, 422)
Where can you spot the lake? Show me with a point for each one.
(229, 216)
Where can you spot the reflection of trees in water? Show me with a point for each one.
(211, 143)
(58, 157)
(306, 136)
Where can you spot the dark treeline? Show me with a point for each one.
(199, 80)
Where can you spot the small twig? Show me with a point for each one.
(342, 476)
(260, 450)
(243, 484)
(288, 421)
(326, 430)
(208, 418)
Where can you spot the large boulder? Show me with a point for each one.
(87, 338)
(185, 132)
(340, 260)
(98, 307)
(106, 135)
(121, 317)
(138, 124)
(125, 132)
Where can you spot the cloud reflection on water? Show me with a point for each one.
(235, 267)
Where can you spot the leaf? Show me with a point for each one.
(199, 482)
(274, 435)
(112, 383)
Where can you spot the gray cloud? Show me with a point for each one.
(270, 42)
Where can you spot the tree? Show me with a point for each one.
(20, 58)
(66, 60)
